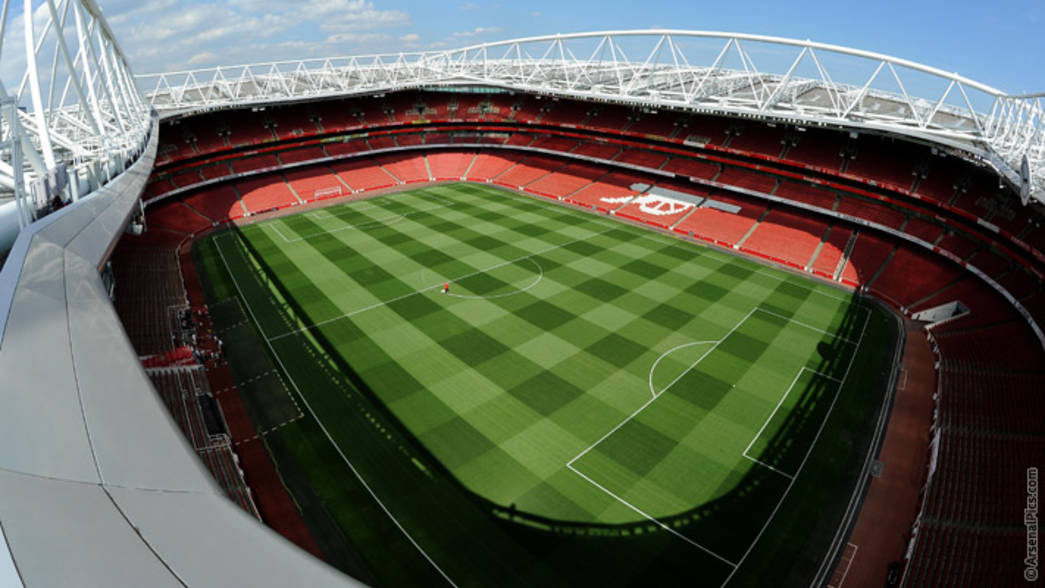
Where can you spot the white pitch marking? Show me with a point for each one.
(653, 391)
(386, 220)
(665, 389)
(810, 327)
(324, 429)
(657, 522)
(433, 287)
(772, 414)
(660, 237)
(540, 276)
(776, 408)
(324, 213)
(767, 466)
(847, 565)
(791, 484)
(569, 464)
(792, 478)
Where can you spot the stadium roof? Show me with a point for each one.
(801, 82)
(98, 487)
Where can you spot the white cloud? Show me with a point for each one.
(117, 13)
(205, 57)
(356, 38)
(165, 35)
(13, 65)
(410, 38)
(476, 32)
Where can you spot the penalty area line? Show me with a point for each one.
(776, 408)
(656, 395)
(323, 427)
(806, 325)
(791, 478)
(802, 465)
(652, 519)
(665, 389)
(769, 467)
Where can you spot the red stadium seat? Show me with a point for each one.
(265, 193)
(787, 236)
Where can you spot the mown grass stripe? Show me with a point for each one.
(566, 359)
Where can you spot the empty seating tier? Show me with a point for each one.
(449, 165)
(597, 150)
(743, 178)
(304, 154)
(265, 193)
(219, 203)
(567, 180)
(306, 182)
(990, 358)
(603, 194)
(693, 168)
(913, 274)
(831, 253)
(178, 216)
(758, 140)
(869, 253)
(490, 166)
(529, 169)
(721, 227)
(923, 229)
(406, 168)
(256, 162)
(786, 236)
(871, 210)
(812, 195)
(642, 158)
(363, 175)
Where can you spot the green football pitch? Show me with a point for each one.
(580, 376)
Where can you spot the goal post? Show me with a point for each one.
(328, 192)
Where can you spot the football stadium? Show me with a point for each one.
(594, 309)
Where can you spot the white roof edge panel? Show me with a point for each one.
(42, 429)
(206, 540)
(129, 428)
(97, 487)
(72, 534)
(79, 419)
(8, 571)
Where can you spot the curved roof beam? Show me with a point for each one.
(72, 118)
(803, 82)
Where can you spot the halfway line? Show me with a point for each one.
(434, 286)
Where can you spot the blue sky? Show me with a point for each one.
(999, 44)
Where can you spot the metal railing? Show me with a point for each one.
(801, 82)
(73, 118)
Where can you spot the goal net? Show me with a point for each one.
(329, 192)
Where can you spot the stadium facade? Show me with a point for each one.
(100, 486)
